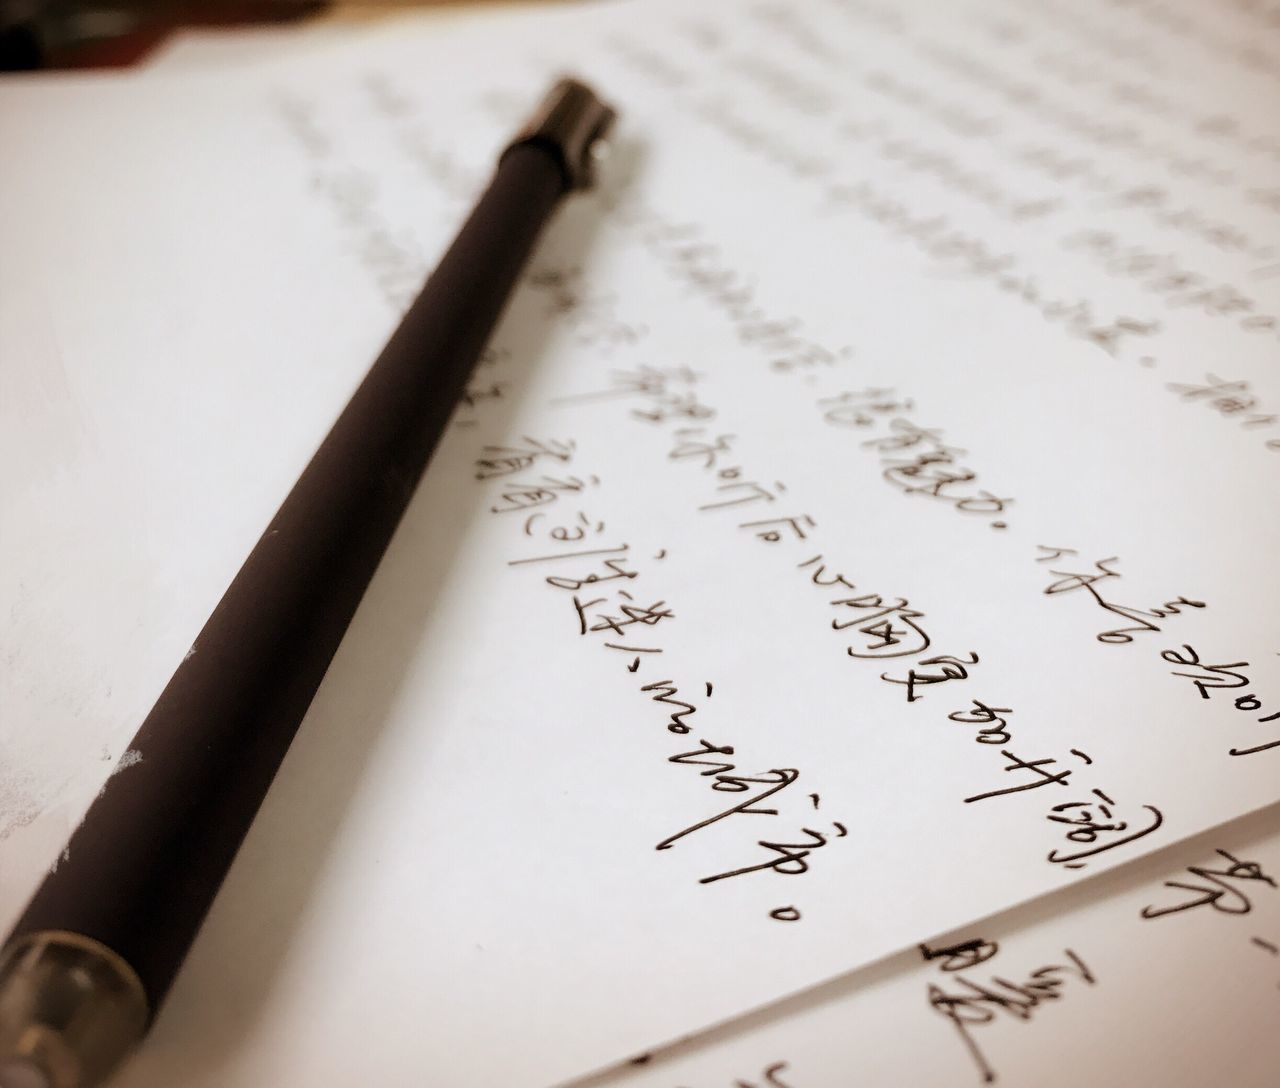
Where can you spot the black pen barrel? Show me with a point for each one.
(143, 867)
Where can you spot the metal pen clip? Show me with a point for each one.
(571, 121)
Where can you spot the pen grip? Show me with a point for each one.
(148, 858)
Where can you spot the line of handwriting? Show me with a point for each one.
(1232, 400)
(913, 459)
(1207, 678)
(890, 626)
(601, 581)
(1142, 619)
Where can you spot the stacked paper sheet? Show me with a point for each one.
(835, 642)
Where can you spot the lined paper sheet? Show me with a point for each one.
(858, 526)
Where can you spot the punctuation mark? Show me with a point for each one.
(787, 776)
(770, 1079)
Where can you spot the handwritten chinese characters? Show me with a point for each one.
(1232, 400)
(913, 458)
(1208, 678)
(1228, 889)
(888, 627)
(1213, 886)
(1094, 827)
(601, 580)
(874, 626)
(1143, 620)
(969, 1002)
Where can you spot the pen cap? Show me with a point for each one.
(70, 1010)
(570, 122)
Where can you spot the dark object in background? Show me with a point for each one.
(60, 34)
(19, 48)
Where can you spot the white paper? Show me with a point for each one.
(204, 50)
(456, 869)
(1165, 972)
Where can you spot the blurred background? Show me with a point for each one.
(37, 34)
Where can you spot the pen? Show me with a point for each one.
(93, 955)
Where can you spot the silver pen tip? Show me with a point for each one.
(573, 122)
(70, 1010)
(20, 1073)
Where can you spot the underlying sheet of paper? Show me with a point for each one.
(1164, 972)
(726, 585)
